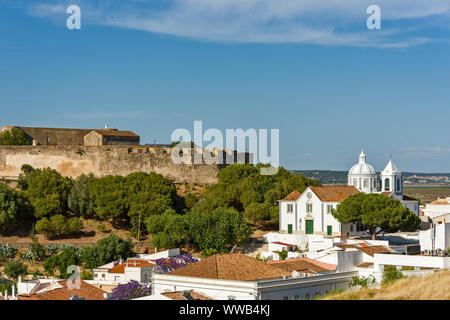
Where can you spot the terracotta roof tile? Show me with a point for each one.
(303, 265)
(86, 291)
(233, 266)
(116, 133)
(334, 193)
(365, 265)
(120, 268)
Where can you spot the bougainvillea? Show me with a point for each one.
(175, 262)
(130, 290)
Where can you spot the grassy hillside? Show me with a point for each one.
(432, 287)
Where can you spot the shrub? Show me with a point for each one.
(391, 274)
(361, 282)
(108, 249)
(131, 290)
(14, 269)
(79, 201)
(58, 225)
(101, 227)
(61, 262)
(13, 137)
(6, 285)
(8, 251)
(51, 249)
(12, 207)
(282, 254)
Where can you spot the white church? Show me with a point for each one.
(310, 212)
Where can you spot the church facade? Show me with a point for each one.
(310, 212)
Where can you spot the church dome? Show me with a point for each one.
(362, 167)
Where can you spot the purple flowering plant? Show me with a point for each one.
(175, 262)
(130, 290)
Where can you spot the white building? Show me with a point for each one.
(122, 272)
(437, 208)
(310, 212)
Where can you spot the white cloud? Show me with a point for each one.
(323, 22)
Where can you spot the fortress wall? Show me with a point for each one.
(103, 160)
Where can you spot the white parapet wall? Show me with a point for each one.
(381, 260)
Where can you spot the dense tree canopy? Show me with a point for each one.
(140, 193)
(210, 233)
(47, 190)
(242, 187)
(376, 211)
(79, 201)
(12, 207)
(106, 250)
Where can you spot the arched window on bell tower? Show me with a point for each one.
(387, 184)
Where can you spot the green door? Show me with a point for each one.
(329, 230)
(309, 226)
(289, 228)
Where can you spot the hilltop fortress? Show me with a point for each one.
(102, 152)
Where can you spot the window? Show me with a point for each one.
(309, 207)
(355, 182)
(398, 184)
(145, 277)
(117, 278)
(296, 297)
(290, 208)
(386, 185)
(329, 207)
(103, 276)
(307, 296)
(366, 183)
(351, 228)
(285, 298)
(231, 298)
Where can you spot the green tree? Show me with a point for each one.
(109, 197)
(13, 137)
(48, 191)
(376, 211)
(12, 207)
(79, 201)
(61, 261)
(14, 269)
(190, 200)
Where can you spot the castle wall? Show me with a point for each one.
(103, 160)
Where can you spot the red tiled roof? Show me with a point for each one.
(334, 193)
(294, 195)
(303, 265)
(233, 266)
(120, 268)
(86, 291)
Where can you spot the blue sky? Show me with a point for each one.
(310, 68)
